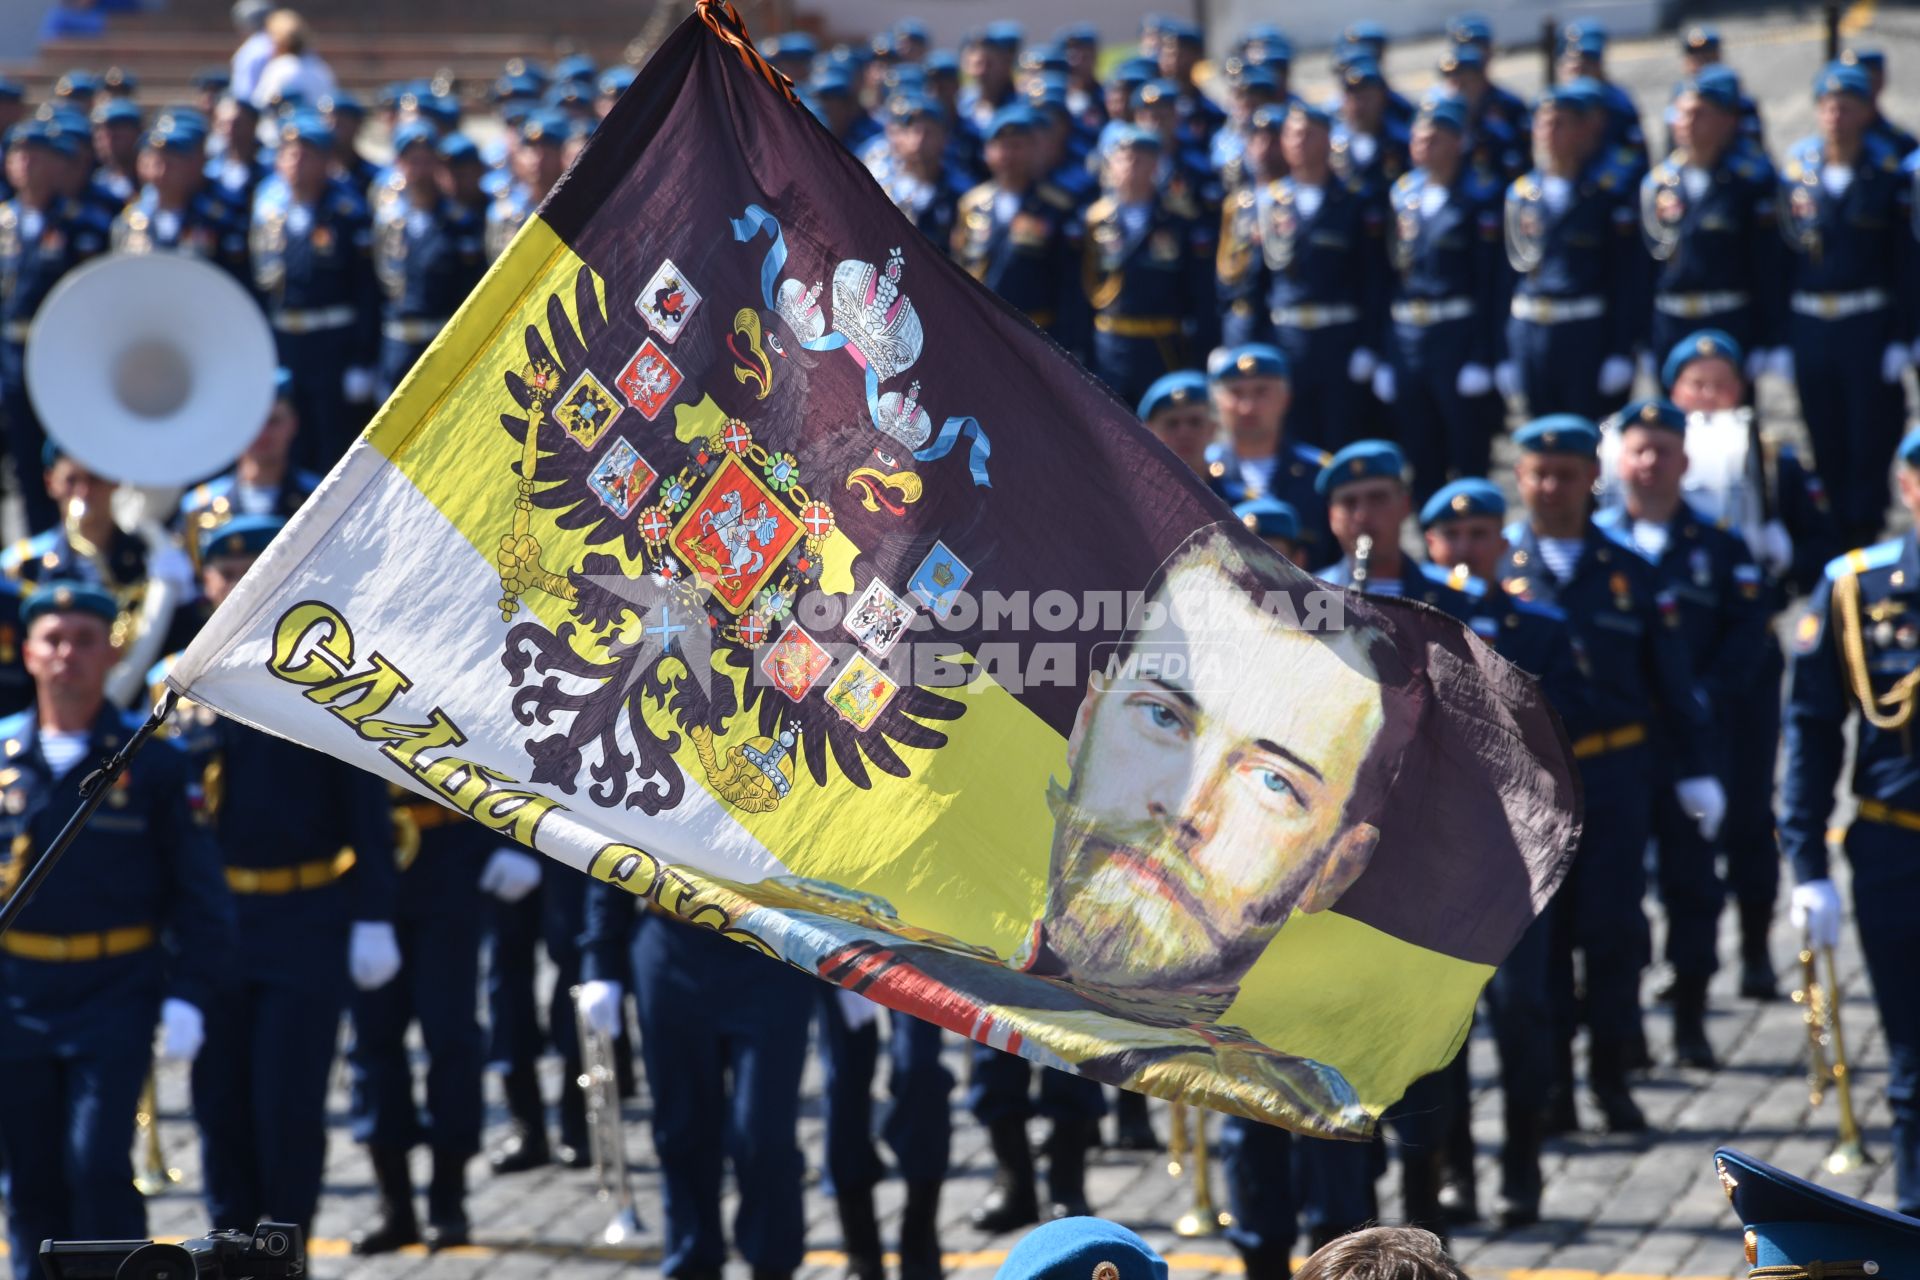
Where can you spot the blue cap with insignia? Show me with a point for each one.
(1136, 71)
(1470, 28)
(544, 127)
(1003, 35)
(1044, 57)
(1874, 60)
(510, 88)
(1700, 39)
(1155, 91)
(1909, 450)
(1079, 33)
(1446, 112)
(1312, 114)
(905, 108)
(414, 133)
(458, 148)
(211, 79)
(1462, 57)
(1268, 116)
(1842, 77)
(614, 81)
(1172, 390)
(575, 66)
(65, 595)
(1462, 498)
(1082, 1249)
(831, 83)
(1268, 517)
(1563, 433)
(910, 29)
(443, 107)
(1363, 70)
(340, 103)
(1707, 344)
(1370, 36)
(1018, 117)
(1124, 137)
(1795, 1228)
(42, 133)
(942, 62)
(118, 111)
(76, 84)
(309, 128)
(175, 132)
(569, 93)
(1717, 85)
(1362, 460)
(240, 536)
(1653, 413)
(1247, 360)
(1587, 35)
(1182, 32)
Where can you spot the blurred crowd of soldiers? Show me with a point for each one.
(1327, 310)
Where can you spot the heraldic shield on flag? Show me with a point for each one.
(834, 608)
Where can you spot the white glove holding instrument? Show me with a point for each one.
(373, 954)
(599, 1003)
(1616, 375)
(510, 875)
(1705, 801)
(182, 1030)
(1815, 909)
(357, 385)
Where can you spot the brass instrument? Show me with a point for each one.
(1362, 552)
(1827, 1057)
(152, 1176)
(600, 1082)
(1201, 1218)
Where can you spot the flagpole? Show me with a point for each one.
(93, 790)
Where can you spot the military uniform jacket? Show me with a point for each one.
(16, 686)
(1500, 133)
(1031, 259)
(217, 501)
(1625, 629)
(236, 182)
(1587, 248)
(318, 258)
(1859, 636)
(1623, 126)
(1382, 168)
(1800, 502)
(429, 260)
(932, 206)
(1422, 583)
(207, 228)
(37, 248)
(1337, 257)
(48, 556)
(1289, 477)
(1721, 601)
(1454, 252)
(143, 861)
(505, 216)
(1533, 636)
(1726, 240)
(1161, 272)
(1859, 239)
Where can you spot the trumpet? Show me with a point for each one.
(1201, 1218)
(154, 1177)
(600, 1081)
(1827, 1056)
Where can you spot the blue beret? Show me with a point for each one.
(831, 83)
(1841, 77)
(910, 29)
(1470, 28)
(1079, 33)
(614, 80)
(1448, 111)
(850, 58)
(1663, 414)
(1467, 496)
(1793, 1224)
(1263, 33)
(1248, 360)
(1076, 1248)
(215, 78)
(1704, 345)
(507, 88)
(525, 67)
(1569, 95)
(64, 595)
(443, 107)
(1270, 115)
(42, 133)
(1123, 137)
(904, 108)
(1259, 78)
(544, 126)
(240, 536)
(794, 44)
(514, 113)
(1044, 57)
(340, 103)
(1909, 450)
(458, 147)
(1136, 71)
(1017, 117)
(172, 132)
(1311, 113)
(1699, 40)
(1718, 85)
(1269, 518)
(1588, 44)
(1156, 90)
(569, 93)
(66, 120)
(1169, 390)
(1363, 70)
(576, 66)
(117, 111)
(942, 62)
(1463, 57)
(1588, 30)
(1567, 433)
(1362, 460)
(1048, 93)
(76, 84)
(1370, 34)
(305, 126)
(414, 133)
(1869, 59)
(1181, 31)
(1006, 35)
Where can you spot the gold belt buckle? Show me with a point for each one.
(1421, 312)
(1829, 305)
(1543, 310)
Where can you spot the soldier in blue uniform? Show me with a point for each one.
(117, 128)
(345, 114)
(1579, 306)
(536, 164)
(1450, 288)
(1874, 63)
(1626, 632)
(1462, 526)
(1846, 211)
(176, 211)
(915, 172)
(1180, 51)
(1019, 234)
(1318, 284)
(312, 266)
(262, 482)
(1365, 488)
(1855, 650)
(1274, 522)
(236, 165)
(1180, 415)
(311, 871)
(1699, 54)
(1499, 126)
(989, 59)
(1707, 214)
(1183, 172)
(134, 928)
(1147, 272)
(1719, 596)
(723, 1032)
(1369, 145)
(43, 235)
(1583, 52)
(430, 252)
(1261, 457)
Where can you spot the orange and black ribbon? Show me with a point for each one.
(725, 21)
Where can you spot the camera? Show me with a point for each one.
(273, 1251)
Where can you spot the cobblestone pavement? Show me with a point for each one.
(1622, 1209)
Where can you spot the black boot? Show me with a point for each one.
(1132, 1129)
(1013, 1201)
(573, 1150)
(396, 1226)
(1266, 1264)
(1607, 1080)
(1067, 1168)
(1562, 1113)
(525, 1146)
(1757, 979)
(860, 1233)
(1691, 1048)
(762, 1273)
(447, 1201)
(920, 1231)
(1519, 1201)
(1420, 1191)
(1459, 1198)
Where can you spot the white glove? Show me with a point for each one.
(356, 384)
(1506, 377)
(1385, 387)
(1705, 801)
(182, 1030)
(1360, 364)
(1815, 908)
(599, 1003)
(510, 875)
(1776, 547)
(1894, 361)
(1616, 375)
(1473, 380)
(1780, 363)
(855, 1009)
(373, 954)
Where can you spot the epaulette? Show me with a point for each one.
(1526, 188)
(1619, 537)
(1468, 586)
(1055, 196)
(1312, 454)
(13, 733)
(1245, 198)
(1861, 559)
(1540, 609)
(1405, 180)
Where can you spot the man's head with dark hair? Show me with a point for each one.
(1382, 1253)
(1228, 767)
